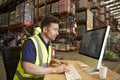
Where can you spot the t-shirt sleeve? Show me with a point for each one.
(28, 52)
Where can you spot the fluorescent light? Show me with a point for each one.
(115, 7)
(116, 13)
(110, 5)
(117, 17)
(118, 28)
(115, 10)
(107, 6)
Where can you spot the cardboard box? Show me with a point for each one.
(64, 6)
(54, 7)
(25, 13)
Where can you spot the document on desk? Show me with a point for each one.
(90, 70)
(83, 65)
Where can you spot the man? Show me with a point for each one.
(36, 53)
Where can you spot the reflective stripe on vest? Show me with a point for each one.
(39, 59)
(47, 53)
(34, 38)
(23, 78)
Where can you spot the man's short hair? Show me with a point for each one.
(46, 21)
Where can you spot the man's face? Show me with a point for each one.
(52, 31)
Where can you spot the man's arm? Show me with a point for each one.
(56, 62)
(30, 68)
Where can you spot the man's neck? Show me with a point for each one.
(44, 38)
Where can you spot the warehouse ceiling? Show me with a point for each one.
(114, 7)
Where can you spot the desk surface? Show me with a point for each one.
(85, 76)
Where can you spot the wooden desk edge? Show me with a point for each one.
(85, 76)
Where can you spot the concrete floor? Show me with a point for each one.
(64, 56)
(2, 70)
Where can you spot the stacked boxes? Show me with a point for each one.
(94, 3)
(81, 16)
(102, 10)
(111, 18)
(107, 22)
(89, 20)
(57, 7)
(1, 2)
(64, 6)
(80, 4)
(40, 2)
(42, 11)
(12, 17)
(48, 9)
(5, 1)
(102, 17)
(54, 8)
(72, 10)
(107, 16)
(64, 19)
(87, 17)
(101, 3)
(107, 9)
(5, 19)
(25, 13)
(102, 13)
(95, 12)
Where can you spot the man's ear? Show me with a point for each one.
(45, 29)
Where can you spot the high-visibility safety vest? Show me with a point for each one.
(43, 58)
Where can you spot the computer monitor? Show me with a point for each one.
(93, 45)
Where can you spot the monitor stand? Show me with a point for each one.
(90, 70)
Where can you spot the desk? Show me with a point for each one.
(85, 76)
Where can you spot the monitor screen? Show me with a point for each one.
(93, 46)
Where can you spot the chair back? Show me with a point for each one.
(11, 56)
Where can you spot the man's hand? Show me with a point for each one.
(63, 62)
(55, 62)
(61, 69)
